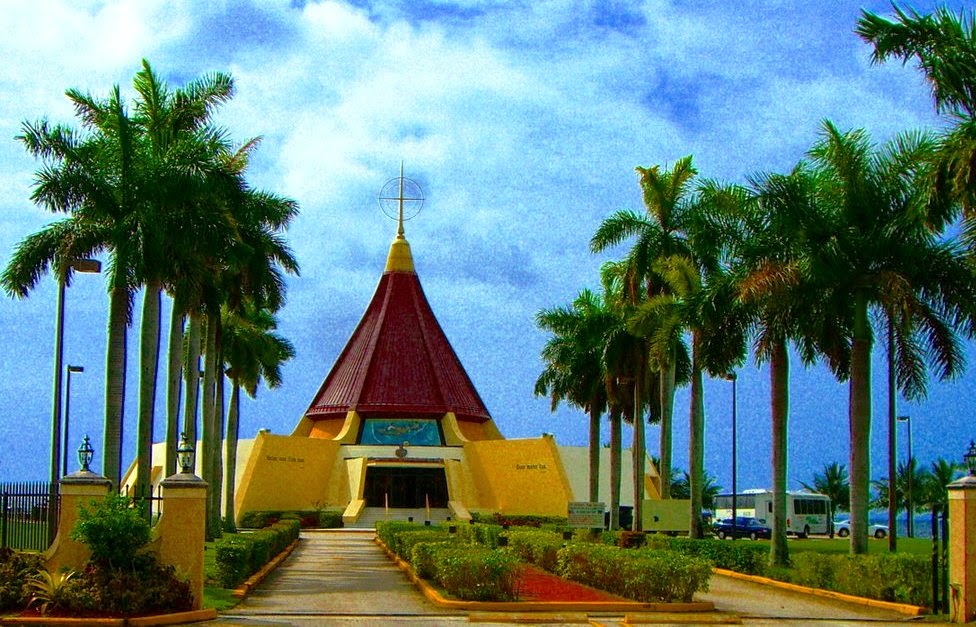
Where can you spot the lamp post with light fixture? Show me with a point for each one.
(79, 265)
(67, 414)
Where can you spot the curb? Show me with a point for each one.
(517, 607)
(176, 618)
(245, 588)
(902, 608)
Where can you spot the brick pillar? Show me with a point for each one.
(182, 528)
(77, 489)
(962, 549)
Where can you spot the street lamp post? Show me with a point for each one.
(731, 376)
(79, 265)
(910, 523)
(67, 415)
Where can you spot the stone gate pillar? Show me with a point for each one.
(962, 549)
(182, 528)
(77, 489)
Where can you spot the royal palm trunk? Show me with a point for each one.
(696, 447)
(174, 375)
(148, 368)
(779, 380)
(115, 376)
(667, 413)
(860, 425)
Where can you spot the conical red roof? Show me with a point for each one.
(398, 361)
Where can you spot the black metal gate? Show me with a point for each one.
(28, 515)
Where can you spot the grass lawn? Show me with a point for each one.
(915, 546)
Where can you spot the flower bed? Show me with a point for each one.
(536, 584)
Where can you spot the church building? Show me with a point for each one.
(398, 427)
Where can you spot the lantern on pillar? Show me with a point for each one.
(184, 455)
(85, 454)
(970, 458)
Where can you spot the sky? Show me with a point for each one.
(522, 122)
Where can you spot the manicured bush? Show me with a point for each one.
(899, 577)
(232, 559)
(16, 570)
(422, 557)
(751, 558)
(509, 520)
(535, 546)
(322, 519)
(485, 534)
(112, 529)
(407, 538)
(644, 575)
(238, 556)
(476, 573)
(145, 587)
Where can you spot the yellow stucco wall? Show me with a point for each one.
(285, 472)
(519, 476)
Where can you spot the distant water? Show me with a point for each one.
(923, 522)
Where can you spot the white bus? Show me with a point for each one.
(806, 512)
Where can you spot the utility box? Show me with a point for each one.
(667, 516)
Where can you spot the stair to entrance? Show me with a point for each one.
(372, 515)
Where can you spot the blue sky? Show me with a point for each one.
(523, 122)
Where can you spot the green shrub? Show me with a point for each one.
(146, 587)
(485, 534)
(536, 546)
(750, 558)
(16, 569)
(899, 577)
(330, 519)
(422, 557)
(387, 531)
(406, 539)
(232, 559)
(644, 575)
(112, 529)
(476, 573)
(509, 520)
(238, 556)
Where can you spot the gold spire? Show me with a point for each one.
(399, 259)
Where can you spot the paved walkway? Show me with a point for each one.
(343, 578)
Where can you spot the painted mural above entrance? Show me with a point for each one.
(397, 431)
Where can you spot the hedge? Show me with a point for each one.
(536, 546)
(475, 573)
(238, 556)
(750, 558)
(321, 519)
(898, 577)
(644, 575)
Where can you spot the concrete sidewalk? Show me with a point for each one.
(341, 577)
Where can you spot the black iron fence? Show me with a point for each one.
(28, 515)
(149, 501)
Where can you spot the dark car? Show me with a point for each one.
(745, 527)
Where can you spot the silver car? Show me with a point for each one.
(843, 529)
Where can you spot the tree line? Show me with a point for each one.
(161, 190)
(857, 242)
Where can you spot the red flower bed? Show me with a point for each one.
(538, 585)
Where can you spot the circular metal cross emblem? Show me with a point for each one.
(401, 193)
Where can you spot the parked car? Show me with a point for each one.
(745, 527)
(843, 529)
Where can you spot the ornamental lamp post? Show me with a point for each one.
(79, 265)
(67, 414)
(731, 376)
(970, 458)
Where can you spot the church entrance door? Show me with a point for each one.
(405, 487)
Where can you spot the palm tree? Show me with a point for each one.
(252, 351)
(834, 483)
(658, 233)
(944, 46)
(941, 473)
(183, 150)
(909, 474)
(574, 369)
(878, 256)
(681, 488)
(780, 228)
(94, 176)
